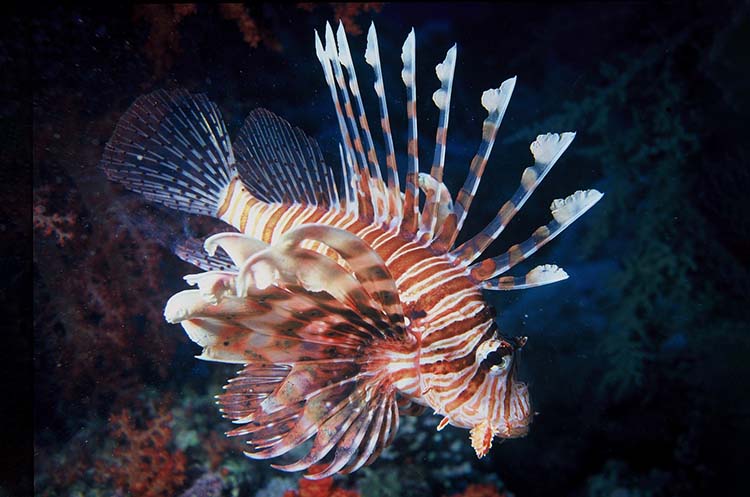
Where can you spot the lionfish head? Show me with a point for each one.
(503, 407)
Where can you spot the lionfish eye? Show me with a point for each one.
(498, 360)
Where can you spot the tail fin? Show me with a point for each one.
(173, 148)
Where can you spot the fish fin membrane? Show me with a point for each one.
(317, 331)
(173, 148)
(350, 420)
(279, 163)
(191, 250)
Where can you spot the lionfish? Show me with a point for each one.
(347, 306)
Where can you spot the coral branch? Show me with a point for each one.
(320, 488)
(144, 465)
(54, 224)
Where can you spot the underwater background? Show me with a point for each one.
(638, 365)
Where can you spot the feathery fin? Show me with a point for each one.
(172, 147)
(279, 163)
(309, 333)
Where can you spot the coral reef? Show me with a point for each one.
(143, 464)
(55, 225)
(319, 488)
(208, 485)
(163, 43)
(482, 490)
(246, 24)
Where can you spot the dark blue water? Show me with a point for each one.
(637, 364)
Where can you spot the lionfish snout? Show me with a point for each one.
(518, 414)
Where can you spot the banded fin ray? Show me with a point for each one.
(372, 57)
(191, 251)
(546, 150)
(380, 199)
(411, 192)
(359, 176)
(279, 163)
(540, 275)
(564, 213)
(495, 101)
(442, 100)
(173, 148)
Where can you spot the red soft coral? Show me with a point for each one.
(481, 490)
(143, 464)
(320, 488)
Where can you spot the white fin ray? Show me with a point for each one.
(540, 275)
(564, 213)
(546, 149)
(372, 57)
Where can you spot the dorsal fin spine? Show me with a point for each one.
(367, 210)
(442, 99)
(372, 57)
(546, 150)
(411, 197)
(378, 191)
(324, 56)
(496, 102)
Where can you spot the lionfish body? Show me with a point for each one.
(350, 306)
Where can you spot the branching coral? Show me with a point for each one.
(163, 42)
(54, 224)
(320, 488)
(143, 464)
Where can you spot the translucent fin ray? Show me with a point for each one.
(172, 147)
(564, 213)
(279, 163)
(191, 251)
(495, 101)
(540, 275)
(546, 150)
(372, 57)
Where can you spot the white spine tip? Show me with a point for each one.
(371, 52)
(496, 99)
(345, 55)
(545, 274)
(568, 209)
(547, 148)
(407, 50)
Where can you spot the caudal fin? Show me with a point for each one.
(173, 148)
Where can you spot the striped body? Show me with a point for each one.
(449, 317)
(347, 306)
